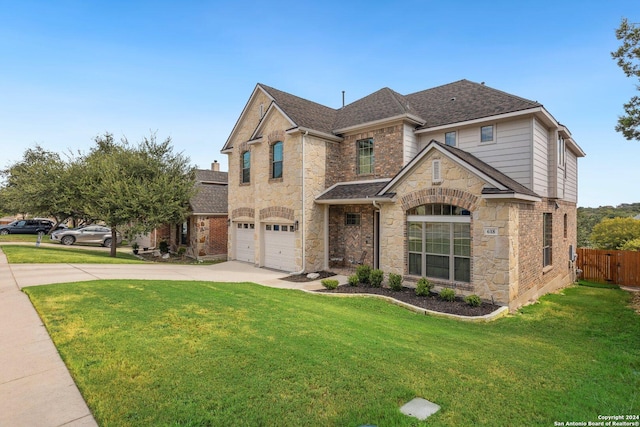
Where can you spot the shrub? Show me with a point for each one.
(164, 247)
(353, 280)
(376, 277)
(395, 281)
(448, 294)
(631, 245)
(329, 283)
(423, 287)
(363, 272)
(473, 300)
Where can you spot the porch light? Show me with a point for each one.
(295, 225)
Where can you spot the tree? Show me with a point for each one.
(628, 58)
(614, 233)
(40, 184)
(136, 188)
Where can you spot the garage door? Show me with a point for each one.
(244, 241)
(279, 247)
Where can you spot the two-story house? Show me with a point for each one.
(469, 186)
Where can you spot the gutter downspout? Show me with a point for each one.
(376, 237)
(304, 252)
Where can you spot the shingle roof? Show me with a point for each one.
(379, 105)
(464, 100)
(303, 112)
(451, 103)
(353, 190)
(210, 198)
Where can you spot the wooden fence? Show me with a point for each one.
(617, 267)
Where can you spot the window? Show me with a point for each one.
(276, 160)
(246, 167)
(561, 151)
(566, 225)
(183, 231)
(439, 242)
(352, 219)
(486, 133)
(547, 239)
(450, 138)
(365, 156)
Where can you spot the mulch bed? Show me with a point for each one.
(431, 302)
(300, 278)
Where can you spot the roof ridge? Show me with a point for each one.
(270, 88)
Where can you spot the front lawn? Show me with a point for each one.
(200, 353)
(22, 238)
(17, 254)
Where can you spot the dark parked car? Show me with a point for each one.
(27, 226)
(89, 234)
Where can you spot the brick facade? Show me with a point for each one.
(387, 149)
(350, 241)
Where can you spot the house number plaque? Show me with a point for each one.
(491, 231)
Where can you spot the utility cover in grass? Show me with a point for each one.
(420, 408)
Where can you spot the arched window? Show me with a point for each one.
(439, 242)
(246, 167)
(276, 160)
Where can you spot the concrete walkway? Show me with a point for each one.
(36, 388)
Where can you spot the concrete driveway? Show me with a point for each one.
(36, 388)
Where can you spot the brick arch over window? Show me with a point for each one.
(276, 211)
(243, 212)
(448, 196)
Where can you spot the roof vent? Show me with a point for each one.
(453, 99)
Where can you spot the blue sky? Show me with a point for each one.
(71, 70)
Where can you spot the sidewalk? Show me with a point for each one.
(36, 388)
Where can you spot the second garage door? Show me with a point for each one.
(279, 247)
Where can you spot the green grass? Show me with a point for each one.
(51, 255)
(22, 238)
(199, 353)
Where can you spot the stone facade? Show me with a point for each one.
(505, 229)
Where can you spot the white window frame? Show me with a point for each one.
(562, 157)
(493, 134)
(363, 154)
(455, 138)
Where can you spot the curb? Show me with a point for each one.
(501, 312)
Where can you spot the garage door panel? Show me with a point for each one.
(245, 242)
(279, 244)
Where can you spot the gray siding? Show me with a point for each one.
(410, 144)
(510, 154)
(571, 180)
(540, 158)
